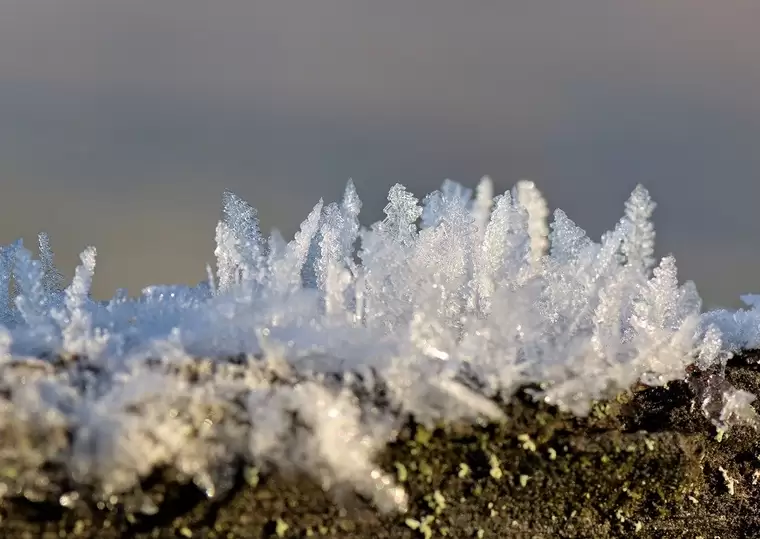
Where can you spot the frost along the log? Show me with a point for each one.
(307, 355)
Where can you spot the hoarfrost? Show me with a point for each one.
(740, 328)
(279, 358)
(638, 246)
(53, 280)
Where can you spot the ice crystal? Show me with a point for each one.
(740, 328)
(238, 252)
(535, 206)
(638, 248)
(52, 280)
(307, 354)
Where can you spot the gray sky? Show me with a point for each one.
(122, 122)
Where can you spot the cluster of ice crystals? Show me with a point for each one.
(280, 357)
(740, 328)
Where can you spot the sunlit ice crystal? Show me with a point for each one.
(276, 359)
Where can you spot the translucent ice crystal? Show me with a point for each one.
(279, 356)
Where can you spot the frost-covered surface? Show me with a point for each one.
(740, 328)
(308, 354)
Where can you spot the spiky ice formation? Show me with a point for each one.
(480, 298)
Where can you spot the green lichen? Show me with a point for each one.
(495, 464)
(281, 528)
(436, 502)
(527, 443)
(251, 476)
(425, 469)
(401, 472)
(422, 436)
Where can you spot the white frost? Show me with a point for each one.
(274, 359)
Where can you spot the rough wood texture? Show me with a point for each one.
(646, 464)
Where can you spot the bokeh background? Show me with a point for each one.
(121, 122)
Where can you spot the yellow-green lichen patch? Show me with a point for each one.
(527, 443)
(281, 528)
(251, 476)
(401, 472)
(495, 464)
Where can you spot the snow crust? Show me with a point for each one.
(308, 355)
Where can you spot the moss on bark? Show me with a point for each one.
(645, 464)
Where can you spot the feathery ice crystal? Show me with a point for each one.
(445, 305)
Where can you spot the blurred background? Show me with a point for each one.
(121, 122)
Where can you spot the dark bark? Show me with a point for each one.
(645, 464)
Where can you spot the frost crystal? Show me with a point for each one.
(638, 244)
(7, 255)
(52, 280)
(402, 212)
(535, 205)
(238, 250)
(741, 328)
(279, 357)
